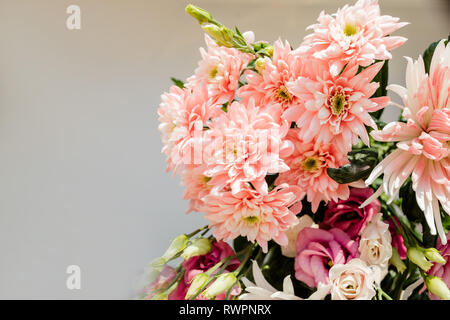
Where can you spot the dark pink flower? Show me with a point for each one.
(442, 270)
(318, 250)
(397, 239)
(199, 264)
(346, 214)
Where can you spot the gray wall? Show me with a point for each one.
(82, 180)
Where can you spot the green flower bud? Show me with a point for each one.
(198, 13)
(397, 261)
(438, 287)
(160, 296)
(260, 64)
(222, 35)
(178, 244)
(222, 284)
(198, 284)
(198, 248)
(158, 263)
(269, 50)
(434, 255)
(417, 256)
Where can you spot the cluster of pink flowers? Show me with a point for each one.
(252, 143)
(272, 144)
(348, 236)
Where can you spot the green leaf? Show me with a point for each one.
(428, 54)
(177, 82)
(361, 164)
(382, 78)
(409, 205)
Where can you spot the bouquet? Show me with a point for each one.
(308, 194)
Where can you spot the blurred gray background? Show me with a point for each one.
(82, 179)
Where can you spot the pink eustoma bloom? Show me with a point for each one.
(318, 250)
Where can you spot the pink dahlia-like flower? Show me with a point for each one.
(183, 113)
(441, 270)
(164, 278)
(220, 70)
(318, 250)
(246, 145)
(355, 35)
(197, 186)
(346, 214)
(308, 165)
(335, 108)
(423, 141)
(268, 85)
(253, 215)
(199, 264)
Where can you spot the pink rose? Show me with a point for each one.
(318, 250)
(346, 214)
(442, 270)
(199, 264)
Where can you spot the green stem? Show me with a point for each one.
(193, 233)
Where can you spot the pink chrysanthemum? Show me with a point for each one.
(423, 141)
(253, 215)
(356, 34)
(308, 169)
(197, 186)
(183, 113)
(268, 85)
(335, 108)
(220, 70)
(245, 146)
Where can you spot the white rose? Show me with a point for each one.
(292, 233)
(352, 281)
(375, 245)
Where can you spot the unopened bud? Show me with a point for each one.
(198, 13)
(222, 35)
(434, 255)
(417, 256)
(260, 64)
(178, 244)
(198, 284)
(198, 248)
(222, 284)
(438, 287)
(397, 261)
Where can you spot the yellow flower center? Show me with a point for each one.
(350, 29)
(338, 103)
(251, 219)
(213, 73)
(311, 164)
(283, 94)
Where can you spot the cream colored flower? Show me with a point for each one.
(292, 233)
(352, 281)
(375, 245)
(263, 290)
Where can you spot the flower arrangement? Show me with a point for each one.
(307, 193)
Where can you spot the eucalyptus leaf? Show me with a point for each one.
(361, 165)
